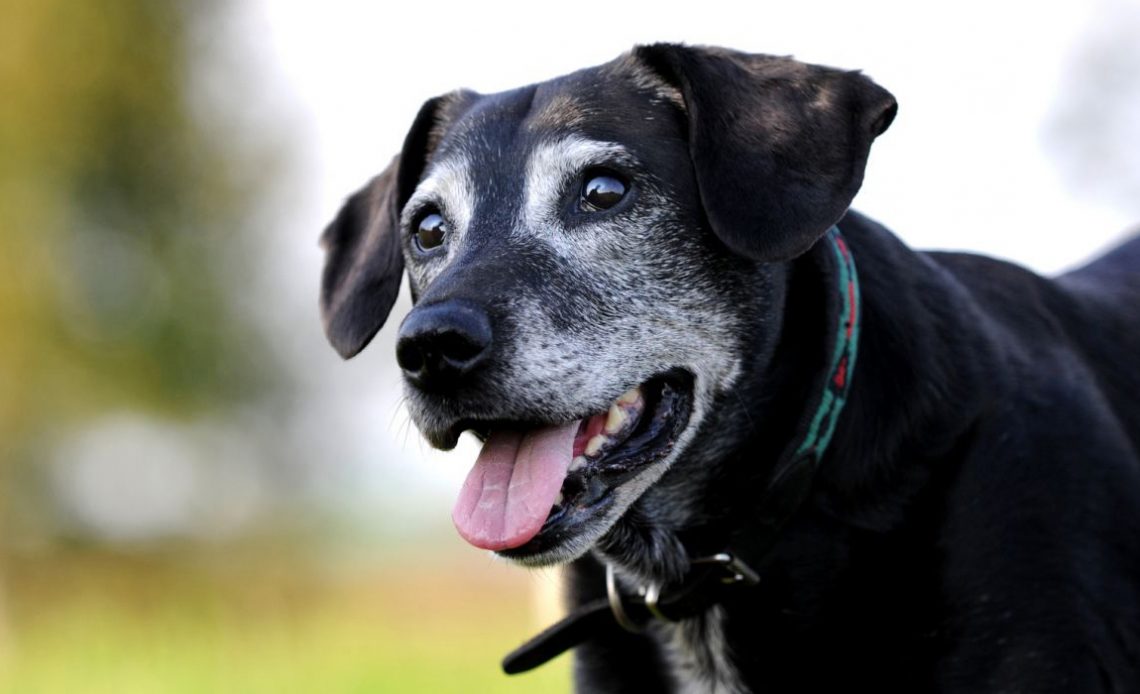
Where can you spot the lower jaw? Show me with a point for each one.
(573, 527)
(562, 535)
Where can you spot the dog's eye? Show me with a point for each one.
(602, 191)
(430, 231)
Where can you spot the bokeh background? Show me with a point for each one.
(196, 494)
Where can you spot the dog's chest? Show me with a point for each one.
(699, 657)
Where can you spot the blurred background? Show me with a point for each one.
(196, 494)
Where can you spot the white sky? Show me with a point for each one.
(962, 167)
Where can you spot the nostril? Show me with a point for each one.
(459, 348)
(408, 355)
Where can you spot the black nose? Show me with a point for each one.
(439, 344)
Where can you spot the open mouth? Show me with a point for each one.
(535, 486)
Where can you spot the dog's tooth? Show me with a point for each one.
(630, 397)
(615, 420)
(558, 499)
(577, 463)
(595, 444)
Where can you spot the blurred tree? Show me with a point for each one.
(122, 207)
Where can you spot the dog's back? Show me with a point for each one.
(1107, 294)
(1088, 317)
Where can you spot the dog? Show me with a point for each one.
(777, 450)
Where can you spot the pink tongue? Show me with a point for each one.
(510, 491)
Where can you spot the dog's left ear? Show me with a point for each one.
(778, 146)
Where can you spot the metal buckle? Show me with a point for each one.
(738, 571)
(652, 594)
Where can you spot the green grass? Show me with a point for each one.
(127, 627)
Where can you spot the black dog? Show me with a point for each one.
(801, 457)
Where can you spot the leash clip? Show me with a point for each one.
(649, 594)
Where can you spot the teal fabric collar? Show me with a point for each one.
(794, 473)
(834, 395)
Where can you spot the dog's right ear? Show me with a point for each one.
(364, 261)
(363, 264)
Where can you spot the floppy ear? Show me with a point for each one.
(363, 259)
(363, 264)
(778, 146)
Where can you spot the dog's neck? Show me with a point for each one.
(873, 439)
(813, 365)
(760, 477)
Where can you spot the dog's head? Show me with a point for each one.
(594, 261)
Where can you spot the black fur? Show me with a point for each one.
(975, 524)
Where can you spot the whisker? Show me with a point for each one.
(397, 410)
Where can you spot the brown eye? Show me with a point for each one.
(430, 231)
(602, 191)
